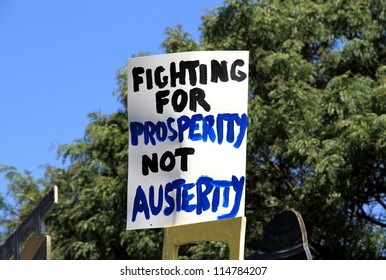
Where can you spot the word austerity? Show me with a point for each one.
(206, 194)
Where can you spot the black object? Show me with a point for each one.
(285, 238)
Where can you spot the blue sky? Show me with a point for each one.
(58, 61)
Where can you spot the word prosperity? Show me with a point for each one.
(206, 194)
(199, 128)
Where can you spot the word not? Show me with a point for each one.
(167, 161)
(218, 71)
(198, 128)
(205, 194)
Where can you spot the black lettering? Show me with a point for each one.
(240, 75)
(167, 161)
(197, 95)
(179, 100)
(174, 75)
(191, 67)
(183, 153)
(149, 163)
(137, 79)
(203, 74)
(161, 100)
(219, 71)
(161, 83)
(149, 80)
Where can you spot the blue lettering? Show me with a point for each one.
(231, 127)
(183, 123)
(215, 199)
(140, 204)
(225, 184)
(186, 198)
(200, 128)
(148, 133)
(169, 199)
(207, 129)
(161, 131)
(243, 128)
(225, 202)
(136, 129)
(203, 203)
(178, 185)
(180, 196)
(195, 126)
(230, 134)
(178, 199)
(238, 187)
(172, 130)
(220, 128)
(155, 209)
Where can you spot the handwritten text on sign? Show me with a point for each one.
(187, 137)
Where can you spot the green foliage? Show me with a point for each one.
(316, 136)
(317, 117)
(93, 205)
(23, 193)
(204, 251)
(179, 41)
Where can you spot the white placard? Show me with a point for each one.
(187, 138)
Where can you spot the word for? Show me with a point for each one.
(193, 70)
(206, 194)
(212, 128)
(179, 100)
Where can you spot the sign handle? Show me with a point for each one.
(228, 231)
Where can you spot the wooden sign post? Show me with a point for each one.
(229, 231)
(32, 232)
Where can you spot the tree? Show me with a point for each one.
(317, 116)
(90, 222)
(316, 135)
(24, 193)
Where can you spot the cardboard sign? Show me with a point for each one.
(187, 138)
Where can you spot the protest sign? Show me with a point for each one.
(187, 138)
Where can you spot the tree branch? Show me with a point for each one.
(362, 214)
